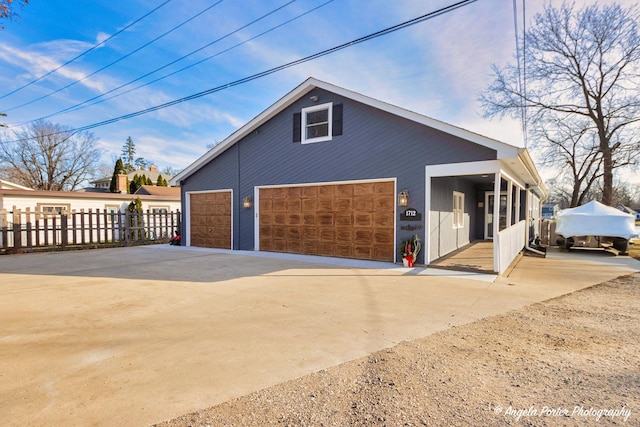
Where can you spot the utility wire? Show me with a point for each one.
(524, 71)
(98, 97)
(371, 36)
(119, 59)
(521, 84)
(85, 52)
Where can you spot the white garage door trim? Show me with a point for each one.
(256, 204)
(188, 212)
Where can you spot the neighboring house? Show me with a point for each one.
(6, 185)
(104, 183)
(57, 201)
(32, 218)
(327, 171)
(550, 210)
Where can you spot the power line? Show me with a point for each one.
(119, 59)
(524, 72)
(285, 66)
(270, 71)
(85, 52)
(521, 71)
(83, 104)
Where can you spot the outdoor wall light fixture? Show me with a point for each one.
(246, 202)
(403, 198)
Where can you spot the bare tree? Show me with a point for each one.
(582, 66)
(170, 172)
(47, 156)
(569, 145)
(7, 9)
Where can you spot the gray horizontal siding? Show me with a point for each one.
(443, 238)
(374, 144)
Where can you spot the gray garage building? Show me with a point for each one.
(327, 171)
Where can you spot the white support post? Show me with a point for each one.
(509, 203)
(496, 221)
(518, 204)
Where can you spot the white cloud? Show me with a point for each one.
(101, 37)
(37, 60)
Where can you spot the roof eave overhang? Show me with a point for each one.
(537, 183)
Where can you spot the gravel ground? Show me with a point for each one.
(569, 361)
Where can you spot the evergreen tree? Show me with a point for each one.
(148, 181)
(136, 220)
(119, 167)
(128, 155)
(140, 163)
(134, 184)
(161, 182)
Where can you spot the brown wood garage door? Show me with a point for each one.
(210, 219)
(343, 220)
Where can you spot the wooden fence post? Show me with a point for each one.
(29, 236)
(127, 227)
(64, 230)
(4, 229)
(38, 214)
(82, 236)
(17, 235)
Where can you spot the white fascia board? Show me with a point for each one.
(462, 169)
(526, 159)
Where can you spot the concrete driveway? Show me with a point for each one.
(134, 336)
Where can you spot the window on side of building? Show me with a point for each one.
(112, 211)
(317, 123)
(52, 209)
(458, 209)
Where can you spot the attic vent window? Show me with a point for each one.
(316, 123)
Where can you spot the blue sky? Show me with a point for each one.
(436, 68)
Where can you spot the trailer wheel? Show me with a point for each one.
(565, 243)
(621, 245)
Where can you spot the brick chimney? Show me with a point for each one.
(121, 183)
(153, 168)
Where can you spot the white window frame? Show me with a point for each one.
(458, 209)
(53, 209)
(112, 209)
(159, 209)
(112, 212)
(329, 107)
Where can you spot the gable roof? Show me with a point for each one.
(503, 150)
(154, 190)
(152, 175)
(12, 186)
